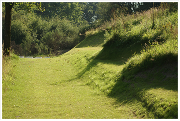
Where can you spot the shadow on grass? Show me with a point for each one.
(112, 56)
(113, 53)
(149, 75)
(161, 73)
(129, 87)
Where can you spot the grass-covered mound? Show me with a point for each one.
(146, 56)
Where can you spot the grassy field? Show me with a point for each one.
(112, 73)
(49, 88)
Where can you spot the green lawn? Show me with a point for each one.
(79, 85)
(42, 88)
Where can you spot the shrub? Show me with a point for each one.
(18, 32)
(35, 35)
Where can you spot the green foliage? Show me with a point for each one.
(62, 35)
(127, 32)
(64, 22)
(89, 9)
(18, 32)
(65, 10)
(34, 35)
(27, 6)
(108, 10)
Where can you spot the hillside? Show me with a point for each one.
(137, 64)
(126, 68)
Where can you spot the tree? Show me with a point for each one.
(89, 9)
(8, 10)
(107, 10)
(72, 11)
(147, 5)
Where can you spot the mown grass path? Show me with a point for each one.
(79, 85)
(40, 90)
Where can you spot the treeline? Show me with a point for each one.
(60, 26)
(33, 34)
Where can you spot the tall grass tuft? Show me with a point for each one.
(138, 29)
(7, 70)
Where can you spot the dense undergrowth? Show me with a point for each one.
(132, 60)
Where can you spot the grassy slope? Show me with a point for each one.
(147, 77)
(125, 85)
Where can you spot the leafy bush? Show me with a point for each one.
(18, 31)
(34, 35)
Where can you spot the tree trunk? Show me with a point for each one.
(7, 40)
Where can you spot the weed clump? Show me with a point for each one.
(7, 70)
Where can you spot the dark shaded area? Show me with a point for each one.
(147, 5)
(122, 41)
(129, 87)
(115, 48)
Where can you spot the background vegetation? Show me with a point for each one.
(60, 26)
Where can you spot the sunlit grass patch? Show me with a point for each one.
(49, 88)
(95, 40)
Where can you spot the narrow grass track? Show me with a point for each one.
(40, 91)
(78, 85)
